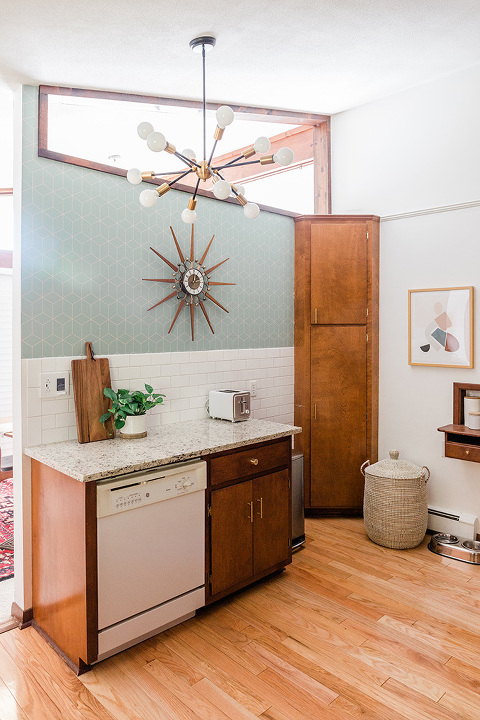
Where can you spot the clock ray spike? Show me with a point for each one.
(215, 301)
(216, 266)
(206, 316)
(169, 280)
(206, 251)
(192, 314)
(174, 267)
(164, 299)
(220, 283)
(182, 259)
(192, 256)
(180, 305)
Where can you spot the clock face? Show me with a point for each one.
(190, 283)
(193, 281)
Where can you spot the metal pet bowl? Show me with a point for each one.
(455, 547)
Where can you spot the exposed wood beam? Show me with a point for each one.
(271, 115)
(322, 202)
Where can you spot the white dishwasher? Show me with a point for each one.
(151, 552)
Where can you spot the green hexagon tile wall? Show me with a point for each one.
(86, 246)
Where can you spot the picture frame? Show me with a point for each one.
(440, 327)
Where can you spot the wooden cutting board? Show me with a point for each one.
(90, 377)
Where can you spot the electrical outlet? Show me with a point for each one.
(253, 388)
(54, 385)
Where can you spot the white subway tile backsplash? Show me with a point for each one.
(34, 403)
(34, 368)
(185, 378)
(34, 431)
(54, 435)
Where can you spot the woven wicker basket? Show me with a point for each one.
(395, 502)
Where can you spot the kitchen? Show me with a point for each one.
(263, 341)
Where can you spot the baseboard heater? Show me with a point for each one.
(443, 521)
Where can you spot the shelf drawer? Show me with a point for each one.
(462, 451)
(244, 463)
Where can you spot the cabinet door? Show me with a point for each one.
(231, 536)
(272, 521)
(339, 402)
(338, 273)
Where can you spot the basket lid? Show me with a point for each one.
(395, 468)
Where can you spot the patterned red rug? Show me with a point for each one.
(6, 529)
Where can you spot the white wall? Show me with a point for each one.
(412, 152)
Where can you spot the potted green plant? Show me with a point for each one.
(129, 408)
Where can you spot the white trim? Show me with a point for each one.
(6, 271)
(22, 484)
(431, 211)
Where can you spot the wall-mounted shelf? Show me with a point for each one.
(461, 442)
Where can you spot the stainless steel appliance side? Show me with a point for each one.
(298, 504)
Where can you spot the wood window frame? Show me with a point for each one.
(317, 127)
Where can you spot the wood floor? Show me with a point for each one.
(349, 631)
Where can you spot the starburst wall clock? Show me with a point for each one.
(191, 283)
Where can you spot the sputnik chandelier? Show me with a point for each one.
(204, 170)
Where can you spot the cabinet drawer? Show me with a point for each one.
(244, 463)
(462, 451)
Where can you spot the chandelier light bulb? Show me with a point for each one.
(189, 153)
(225, 116)
(144, 130)
(156, 141)
(189, 216)
(221, 190)
(148, 198)
(134, 176)
(284, 156)
(251, 210)
(262, 145)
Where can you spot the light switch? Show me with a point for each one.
(54, 385)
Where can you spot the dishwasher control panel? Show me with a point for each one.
(141, 488)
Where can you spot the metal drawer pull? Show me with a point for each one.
(261, 508)
(251, 511)
(254, 461)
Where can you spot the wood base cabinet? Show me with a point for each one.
(250, 517)
(336, 357)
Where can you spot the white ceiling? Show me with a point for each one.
(300, 55)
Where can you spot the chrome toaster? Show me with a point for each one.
(232, 405)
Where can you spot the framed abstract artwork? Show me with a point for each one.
(440, 327)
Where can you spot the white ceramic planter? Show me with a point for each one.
(135, 427)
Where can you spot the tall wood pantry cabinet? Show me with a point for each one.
(336, 357)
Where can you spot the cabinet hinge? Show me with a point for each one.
(289, 482)
(367, 234)
(367, 312)
(289, 542)
(366, 337)
(209, 511)
(209, 578)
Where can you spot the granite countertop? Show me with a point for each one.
(165, 444)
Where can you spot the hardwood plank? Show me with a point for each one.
(123, 698)
(232, 709)
(177, 689)
(67, 691)
(34, 700)
(303, 681)
(11, 710)
(218, 667)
